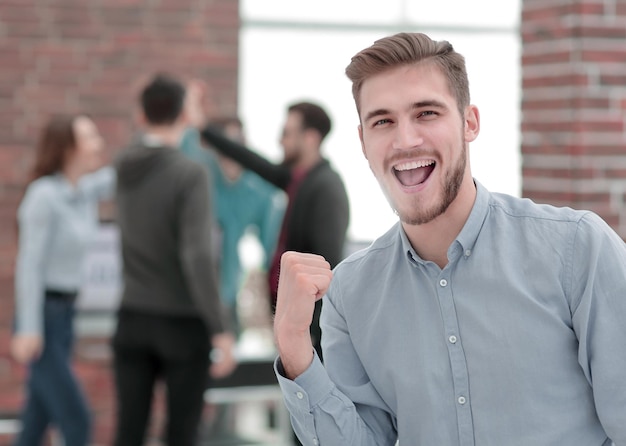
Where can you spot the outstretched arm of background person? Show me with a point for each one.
(323, 412)
(277, 174)
(199, 108)
(199, 268)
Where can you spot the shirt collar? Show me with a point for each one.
(468, 235)
(150, 140)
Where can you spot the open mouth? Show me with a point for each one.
(413, 173)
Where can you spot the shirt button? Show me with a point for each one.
(443, 282)
(300, 395)
(452, 339)
(461, 400)
(468, 252)
(315, 441)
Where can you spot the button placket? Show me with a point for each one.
(458, 364)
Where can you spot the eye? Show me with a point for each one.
(427, 114)
(381, 122)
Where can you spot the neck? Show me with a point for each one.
(432, 240)
(72, 174)
(308, 160)
(168, 135)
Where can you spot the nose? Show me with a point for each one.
(407, 135)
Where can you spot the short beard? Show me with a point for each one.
(452, 186)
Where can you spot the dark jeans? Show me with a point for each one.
(147, 347)
(54, 396)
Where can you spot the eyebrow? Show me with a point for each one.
(416, 105)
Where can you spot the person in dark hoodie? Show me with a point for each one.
(170, 315)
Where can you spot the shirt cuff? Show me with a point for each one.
(308, 389)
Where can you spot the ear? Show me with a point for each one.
(183, 119)
(313, 138)
(360, 129)
(472, 123)
(139, 117)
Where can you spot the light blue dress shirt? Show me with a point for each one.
(519, 341)
(57, 221)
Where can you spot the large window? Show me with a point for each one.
(299, 50)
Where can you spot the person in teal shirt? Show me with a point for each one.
(241, 201)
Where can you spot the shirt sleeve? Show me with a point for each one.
(277, 174)
(100, 185)
(336, 403)
(598, 299)
(269, 222)
(35, 221)
(329, 221)
(195, 250)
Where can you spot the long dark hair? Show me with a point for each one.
(56, 140)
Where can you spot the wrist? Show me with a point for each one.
(296, 353)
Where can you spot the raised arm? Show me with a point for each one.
(326, 408)
(304, 279)
(276, 174)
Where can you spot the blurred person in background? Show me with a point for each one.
(57, 220)
(317, 215)
(170, 316)
(241, 200)
(242, 203)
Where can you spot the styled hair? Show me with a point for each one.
(56, 140)
(407, 49)
(162, 100)
(313, 117)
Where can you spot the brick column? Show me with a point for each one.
(574, 105)
(79, 55)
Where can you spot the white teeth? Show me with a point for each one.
(414, 164)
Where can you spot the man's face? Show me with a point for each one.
(415, 140)
(293, 139)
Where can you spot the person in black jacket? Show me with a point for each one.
(317, 215)
(170, 314)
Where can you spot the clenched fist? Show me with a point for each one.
(304, 279)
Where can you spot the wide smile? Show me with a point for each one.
(414, 173)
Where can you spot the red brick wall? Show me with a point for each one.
(77, 55)
(574, 105)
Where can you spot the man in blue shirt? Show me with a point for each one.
(478, 319)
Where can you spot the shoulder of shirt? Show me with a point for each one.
(256, 184)
(516, 207)
(43, 188)
(41, 194)
(379, 247)
(189, 171)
